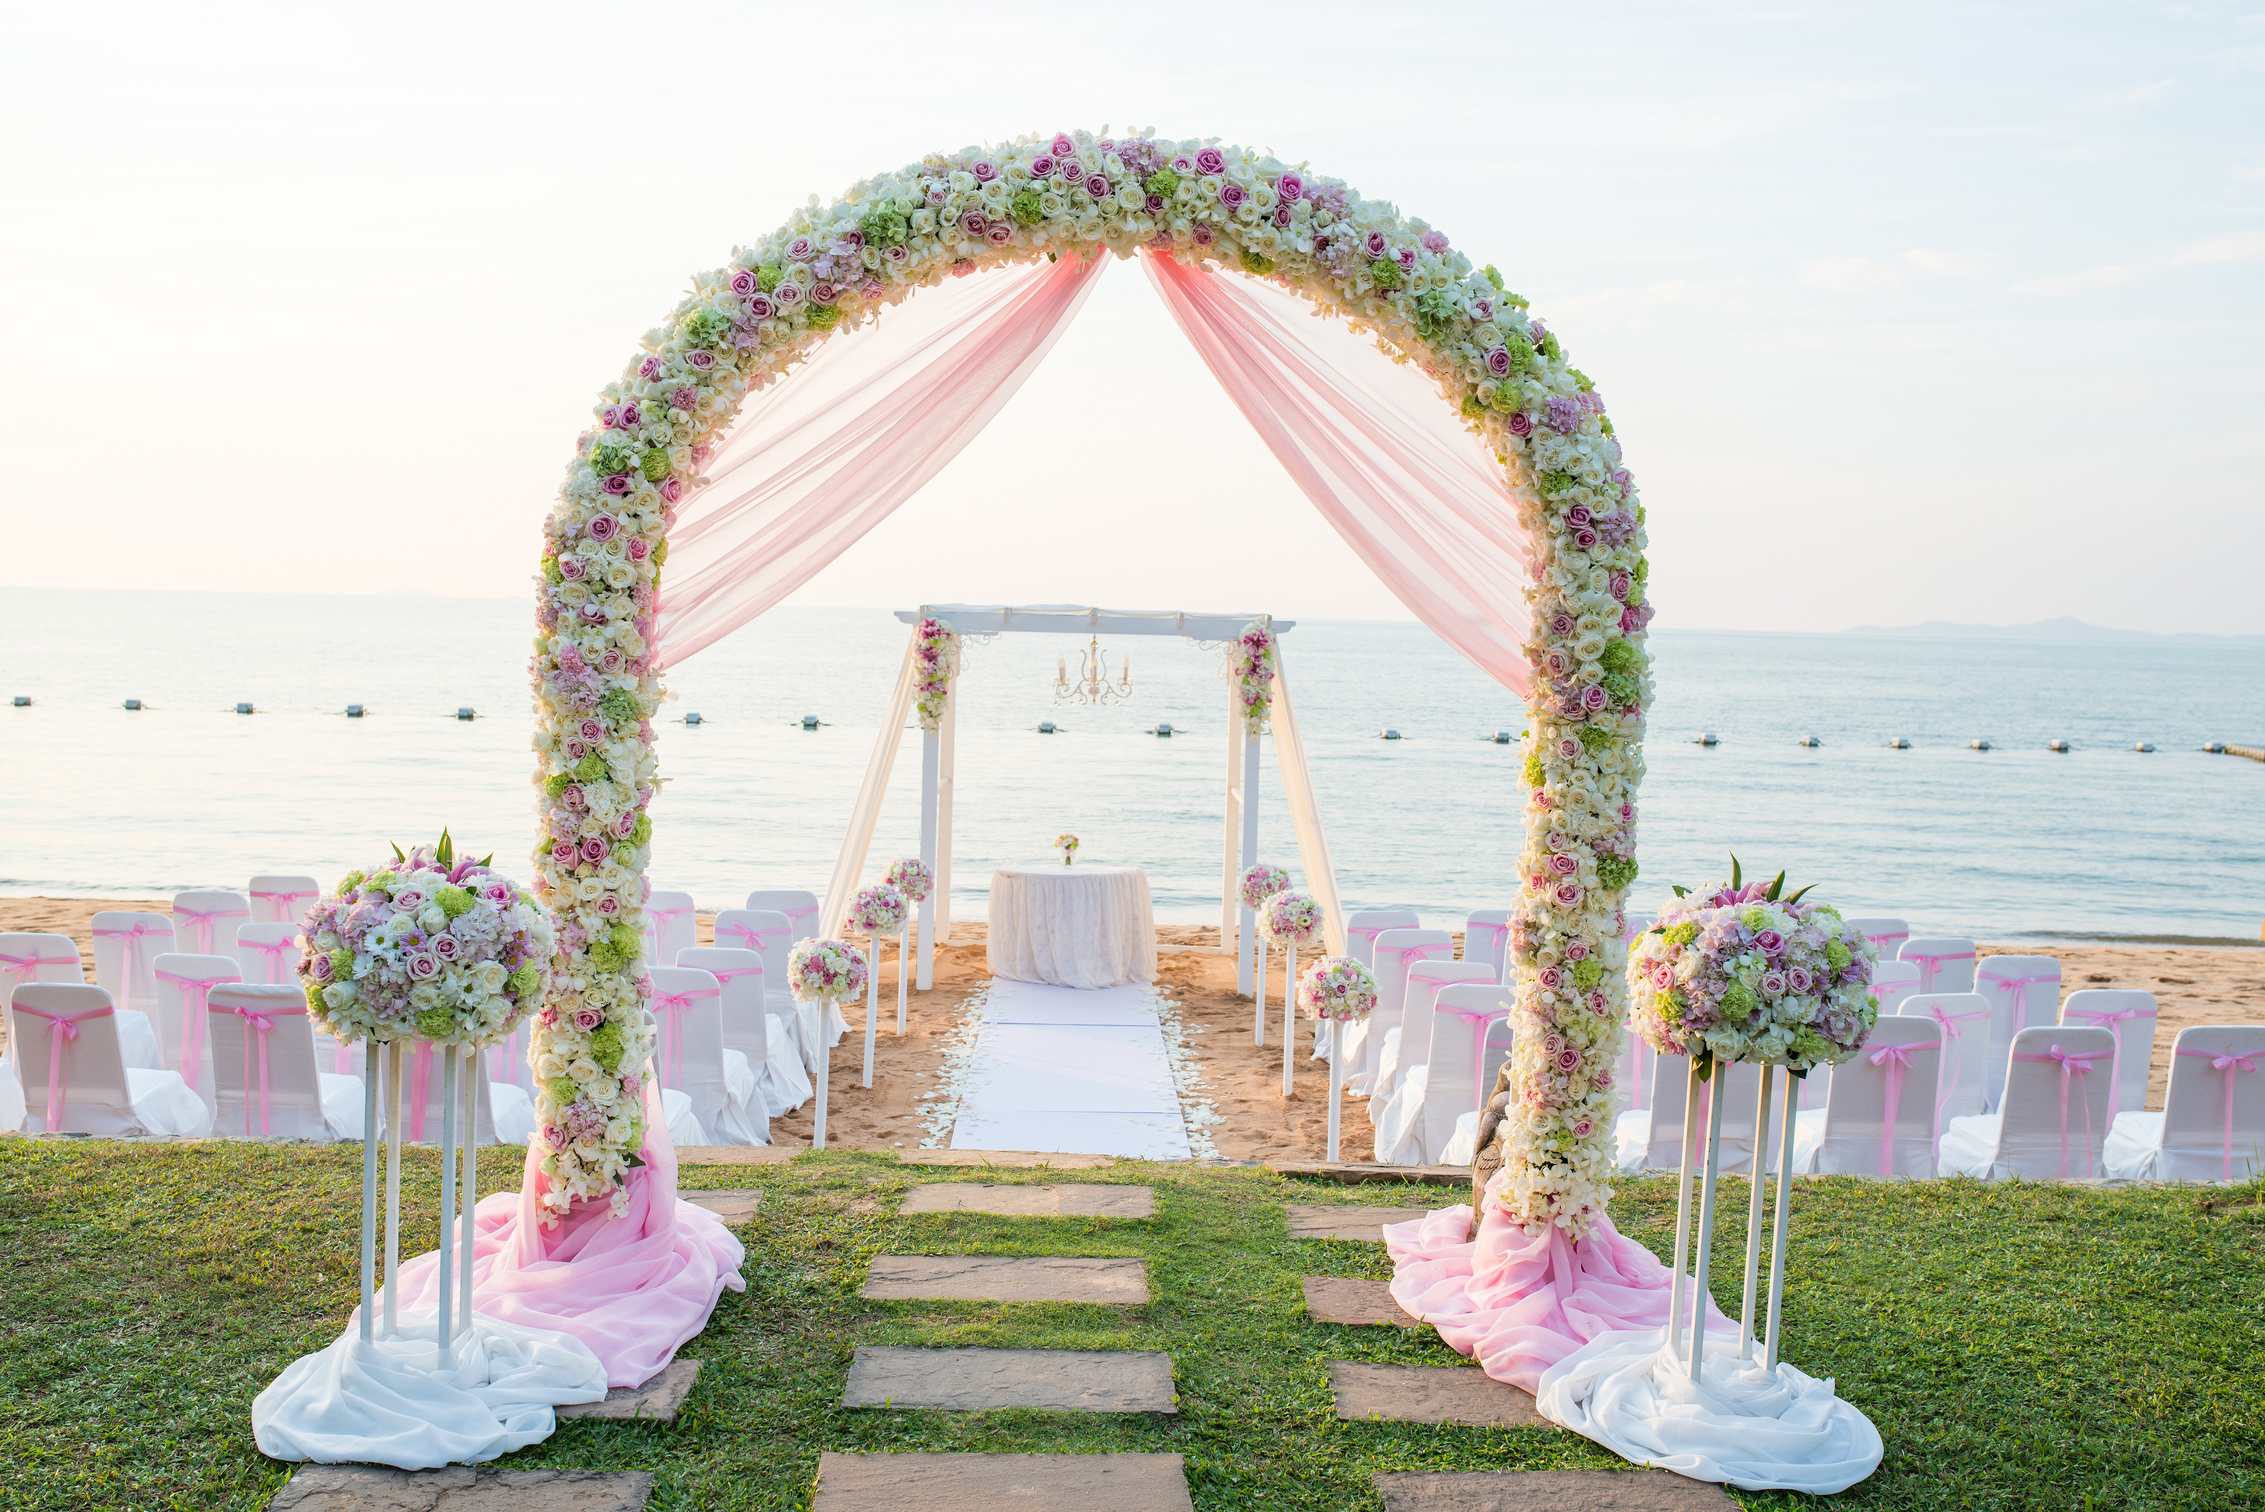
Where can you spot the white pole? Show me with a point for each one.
(1683, 1206)
(1760, 1184)
(904, 970)
(1336, 1096)
(392, 1057)
(931, 758)
(1231, 830)
(872, 998)
(1699, 1294)
(473, 1077)
(821, 1073)
(1777, 1240)
(446, 1334)
(1258, 996)
(369, 1181)
(944, 780)
(1248, 946)
(1289, 1010)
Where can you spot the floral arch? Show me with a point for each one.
(828, 271)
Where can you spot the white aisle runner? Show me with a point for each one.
(1071, 1070)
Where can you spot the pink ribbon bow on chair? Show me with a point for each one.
(276, 975)
(62, 1028)
(26, 968)
(2230, 1065)
(194, 1006)
(2111, 1021)
(793, 914)
(1952, 1034)
(129, 948)
(1931, 965)
(2072, 1066)
(726, 975)
(677, 1004)
(1482, 1022)
(261, 1021)
(1897, 1060)
(204, 922)
(282, 901)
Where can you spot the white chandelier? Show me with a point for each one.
(1092, 685)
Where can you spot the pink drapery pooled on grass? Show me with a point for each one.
(1519, 1304)
(833, 448)
(634, 1288)
(1376, 447)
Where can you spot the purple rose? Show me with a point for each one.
(617, 483)
(1289, 187)
(447, 947)
(1498, 362)
(594, 849)
(1231, 194)
(1568, 894)
(1210, 161)
(609, 905)
(1062, 145)
(1435, 241)
(1593, 699)
(1773, 982)
(1042, 166)
(975, 223)
(1577, 515)
(587, 1019)
(631, 417)
(1406, 257)
(321, 968)
(824, 293)
(743, 282)
(1801, 979)
(1203, 235)
(571, 569)
(593, 730)
(1281, 217)
(1564, 866)
(1551, 977)
(1154, 204)
(650, 368)
(625, 824)
(1621, 583)
(1584, 538)
(423, 966)
(802, 249)
(564, 852)
(1000, 234)
(604, 528)
(1097, 185)
(1568, 1059)
(497, 892)
(759, 307)
(1521, 424)
(702, 359)
(984, 170)
(1375, 244)
(1561, 624)
(1770, 942)
(787, 295)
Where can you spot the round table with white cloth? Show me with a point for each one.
(1073, 926)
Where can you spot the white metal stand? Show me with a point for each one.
(820, 1074)
(931, 799)
(474, 1074)
(1336, 1099)
(1258, 996)
(1289, 1011)
(1250, 949)
(904, 971)
(1699, 1293)
(872, 999)
(447, 1275)
(391, 1054)
(1784, 1204)
(1691, 1086)
(1760, 1185)
(369, 1185)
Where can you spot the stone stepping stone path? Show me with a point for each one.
(1001, 1482)
(1355, 1301)
(1462, 1395)
(1362, 1173)
(731, 1155)
(1308, 1222)
(656, 1401)
(979, 1380)
(1063, 1201)
(1006, 1278)
(1550, 1491)
(461, 1488)
(1006, 1160)
(734, 1206)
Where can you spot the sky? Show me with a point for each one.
(1904, 311)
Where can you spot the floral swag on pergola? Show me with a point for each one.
(828, 271)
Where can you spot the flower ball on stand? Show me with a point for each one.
(824, 972)
(1253, 888)
(1337, 989)
(876, 911)
(1289, 919)
(912, 878)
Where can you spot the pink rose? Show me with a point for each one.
(1564, 866)
(1598, 1003)
(1577, 951)
(320, 967)
(1062, 145)
(587, 1019)
(1568, 748)
(563, 852)
(1773, 982)
(631, 417)
(640, 548)
(594, 849)
(1568, 895)
(410, 899)
(624, 825)
(1581, 1128)
(447, 947)
(1210, 160)
(1289, 187)
(424, 966)
(571, 569)
(802, 249)
(1376, 244)
(743, 283)
(593, 730)
(1551, 977)
(649, 369)
(1521, 424)
(703, 359)
(609, 905)
(1801, 979)
(974, 223)
(1498, 362)
(498, 893)
(1593, 699)
(604, 528)
(1231, 194)
(1042, 166)
(1568, 1059)
(1097, 185)
(984, 170)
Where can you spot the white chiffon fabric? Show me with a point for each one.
(1740, 1424)
(1073, 926)
(353, 1401)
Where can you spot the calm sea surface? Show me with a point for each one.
(2016, 841)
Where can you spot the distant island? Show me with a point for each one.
(2066, 628)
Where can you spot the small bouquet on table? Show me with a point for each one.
(1067, 845)
(911, 877)
(877, 911)
(1737, 972)
(1336, 989)
(826, 971)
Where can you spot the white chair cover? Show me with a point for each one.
(671, 925)
(2130, 1016)
(262, 1055)
(1393, 952)
(11, 1098)
(1362, 928)
(1893, 982)
(1651, 1139)
(63, 1040)
(204, 923)
(1945, 962)
(26, 956)
(2057, 1111)
(126, 948)
(2212, 1127)
(281, 898)
(183, 1013)
(1405, 1073)
(690, 1056)
(1963, 1021)
(824, 1024)
(268, 952)
(1886, 934)
(1879, 1119)
(799, 906)
(1471, 1036)
(2023, 992)
(1486, 938)
(749, 1028)
(769, 933)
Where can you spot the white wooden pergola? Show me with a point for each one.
(1240, 848)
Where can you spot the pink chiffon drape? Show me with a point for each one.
(832, 450)
(633, 1288)
(1379, 451)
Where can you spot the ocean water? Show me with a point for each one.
(2016, 842)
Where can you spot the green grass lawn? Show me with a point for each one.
(2019, 1346)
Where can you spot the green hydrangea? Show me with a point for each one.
(1027, 208)
(1580, 379)
(1509, 398)
(1623, 688)
(660, 554)
(1615, 872)
(1534, 774)
(608, 957)
(315, 1004)
(606, 1046)
(1162, 182)
(1493, 277)
(551, 574)
(590, 768)
(563, 1091)
(641, 832)
(767, 279)
(350, 881)
(610, 458)
(1473, 406)
(1753, 918)
(1621, 656)
(1594, 739)
(1550, 348)
(453, 900)
(705, 328)
(1254, 262)
(1588, 973)
(1738, 1002)
(1604, 424)
(1680, 934)
(1557, 481)
(525, 980)
(1837, 954)
(1384, 273)
(1521, 355)
(1435, 314)
(619, 705)
(887, 226)
(435, 1023)
(627, 940)
(823, 317)
(654, 465)
(555, 786)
